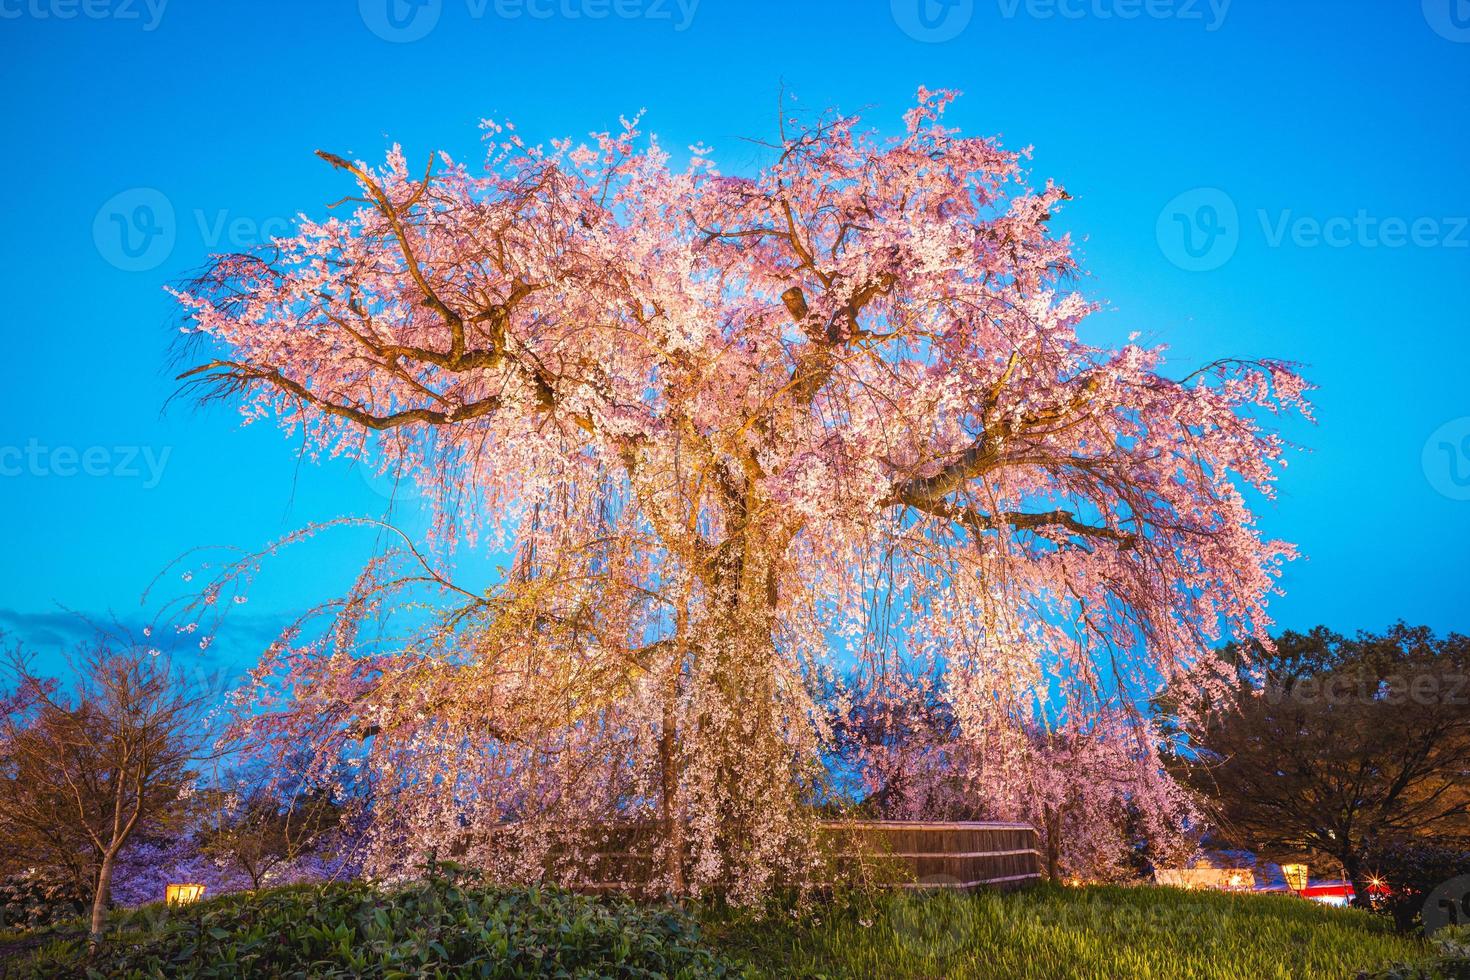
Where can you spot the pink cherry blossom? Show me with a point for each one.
(741, 434)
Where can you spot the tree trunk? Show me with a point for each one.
(1352, 866)
(668, 757)
(100, 897)
(673, 823)
(1052, 819)
(744, 767)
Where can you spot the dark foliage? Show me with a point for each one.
(450, 925)
(1334, 746)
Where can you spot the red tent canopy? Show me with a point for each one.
(1338, 889)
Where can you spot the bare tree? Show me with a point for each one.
(260, 822)
(83, 769)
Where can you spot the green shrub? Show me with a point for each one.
(1413, 869)
(442, 927)
(34, 899)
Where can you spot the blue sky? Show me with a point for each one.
(1252, 178)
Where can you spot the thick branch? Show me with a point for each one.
(979, 522)
(244, 374)
(385, 206)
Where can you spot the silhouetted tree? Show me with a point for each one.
(1334, 746)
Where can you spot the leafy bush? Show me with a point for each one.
(1413, 869)
(34, 899)
(443, 927)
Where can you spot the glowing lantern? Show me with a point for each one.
(1295, 875)
(182, 894)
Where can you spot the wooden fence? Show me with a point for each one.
(882, 853)
(909, 854)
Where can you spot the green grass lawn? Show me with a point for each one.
(1051, 932)
(462, 929)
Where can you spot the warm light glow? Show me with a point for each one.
(1295, 875)
(1236, 880)
(182, 894)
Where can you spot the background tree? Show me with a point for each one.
(731, 428)
(899, 745)
(83, 769)
(261, 824)
(1336, 747)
